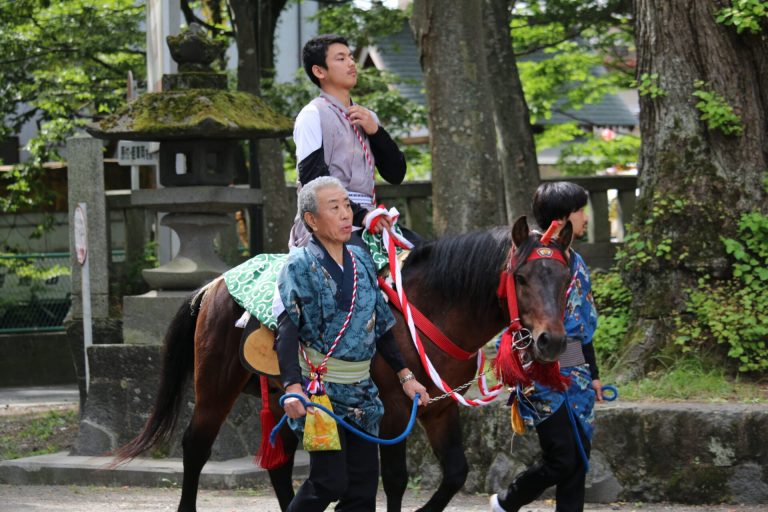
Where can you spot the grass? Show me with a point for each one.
(37, 433)
(689, 380)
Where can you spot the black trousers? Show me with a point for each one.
(561, 465)
(350, 476)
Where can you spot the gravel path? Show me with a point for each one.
(135, 499)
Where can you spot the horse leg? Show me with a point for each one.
(394, 474)
(207, 417)
(219, 378)
(282, 478)
(444, 432)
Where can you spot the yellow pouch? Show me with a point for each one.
(518, 425)
(320, 430)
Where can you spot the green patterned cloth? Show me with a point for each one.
(252, 284)
(376, 248)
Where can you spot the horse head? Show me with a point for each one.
(535, 283)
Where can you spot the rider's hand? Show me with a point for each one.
(293, 406)
(383, 222)
(363, 118)
(598, 387)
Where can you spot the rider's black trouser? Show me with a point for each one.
(350, 476)
(560, 465)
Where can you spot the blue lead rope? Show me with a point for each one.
(611, 395)
(344, 424)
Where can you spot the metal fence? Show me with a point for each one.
(35, 291)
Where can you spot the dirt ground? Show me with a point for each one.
(134, 499)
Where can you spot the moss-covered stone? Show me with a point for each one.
(194, 113)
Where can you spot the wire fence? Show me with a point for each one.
(35, 291)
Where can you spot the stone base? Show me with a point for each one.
(641, 452)
(147, 317)
(124, 382)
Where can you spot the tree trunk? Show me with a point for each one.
(695, 181)
(465, 169)
(255, 23)
(514, 137)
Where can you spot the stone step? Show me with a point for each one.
(63, 469)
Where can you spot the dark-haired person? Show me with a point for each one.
(336, 137)
(546, 409)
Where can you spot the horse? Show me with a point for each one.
(453, 281)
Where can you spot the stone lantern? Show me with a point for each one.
(198, 123)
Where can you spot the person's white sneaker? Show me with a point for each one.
(495, 507)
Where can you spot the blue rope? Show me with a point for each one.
(344, 424)
(612, 394)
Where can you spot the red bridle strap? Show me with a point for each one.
(427, 327)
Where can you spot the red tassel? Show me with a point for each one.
(268, 456)
(507, 365)
(549, 375)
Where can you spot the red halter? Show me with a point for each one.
(516, 339)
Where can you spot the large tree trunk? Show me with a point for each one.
(514, 137)
(255, 22)
(465, 170)
(695, 181)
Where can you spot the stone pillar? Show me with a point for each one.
(85, 184)
(85, 179)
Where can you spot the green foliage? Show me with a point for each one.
(744, 15)
(571, 54)
(61, 64)
(361, 27)
(648, 85)
(612, 300)
(716, 110)
(733, 312)
(595, 154)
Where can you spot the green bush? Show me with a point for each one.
(733, 312)
(612, 300)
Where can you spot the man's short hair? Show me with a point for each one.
(555, 200)
(316, 51)
(308, 195)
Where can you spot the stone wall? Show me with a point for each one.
(35, 359)
(676, 452)
(124, 382)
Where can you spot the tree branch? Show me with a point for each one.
(191, 17)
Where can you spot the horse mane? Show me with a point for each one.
(463, 268)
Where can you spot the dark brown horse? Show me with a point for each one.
(453, 281)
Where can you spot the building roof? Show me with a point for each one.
(399, 54)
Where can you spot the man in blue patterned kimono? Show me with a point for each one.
(546, 409)
(329, 291)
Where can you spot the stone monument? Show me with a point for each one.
(198, 123)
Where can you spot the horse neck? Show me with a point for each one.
(468, 326)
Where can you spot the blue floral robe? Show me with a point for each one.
(317, 294)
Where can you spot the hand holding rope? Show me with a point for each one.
(344, 424)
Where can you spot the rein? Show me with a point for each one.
(488, 395)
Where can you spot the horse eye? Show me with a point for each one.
(520, 280)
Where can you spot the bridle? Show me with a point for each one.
(512, 357)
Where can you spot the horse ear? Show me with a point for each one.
(520, 231)
(566, 236)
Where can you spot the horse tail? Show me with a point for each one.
(178, 360)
